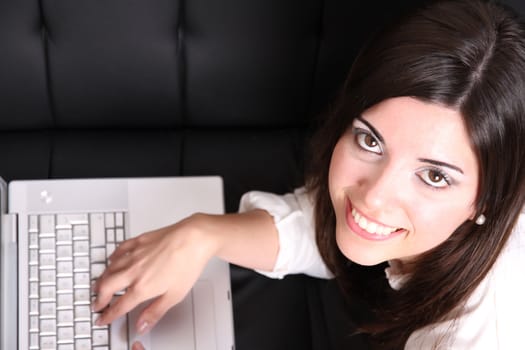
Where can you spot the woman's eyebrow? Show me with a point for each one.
(372, 129)
(439, 163)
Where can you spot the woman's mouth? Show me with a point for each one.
(368, 228)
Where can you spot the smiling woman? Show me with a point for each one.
(419, 167)
(427, 143)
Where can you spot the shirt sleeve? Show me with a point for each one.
(293, 217)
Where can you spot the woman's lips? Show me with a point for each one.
(367, 228)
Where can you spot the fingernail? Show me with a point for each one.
(143, 327)
(137, 346)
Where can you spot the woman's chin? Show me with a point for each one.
(355, 252)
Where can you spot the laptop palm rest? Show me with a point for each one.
(188, 325)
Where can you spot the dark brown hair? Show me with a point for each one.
(466, 55)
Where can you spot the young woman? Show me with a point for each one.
(421, 165)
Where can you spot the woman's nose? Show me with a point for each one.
(381, 188)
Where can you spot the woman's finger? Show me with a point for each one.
(152, 313)
(123, 262)
(123, 304)
(123, 248)
(106, 287)
(137, 346)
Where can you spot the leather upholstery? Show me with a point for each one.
(124, 88)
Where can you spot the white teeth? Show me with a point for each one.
(363, 223)
(371, 227)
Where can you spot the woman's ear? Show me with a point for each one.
(480, 218)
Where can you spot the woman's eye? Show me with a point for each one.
(435, 178)
(367, 141)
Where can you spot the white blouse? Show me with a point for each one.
(495, 309)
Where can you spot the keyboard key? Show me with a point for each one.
(47, 244)
(65, 284)
(34, 274)
(64, 268)
(65, 317)
(65, 301)
(110, 248)
(66, 334)
(65, 220)
(81, 263)
(47, 276)
(83, 329)
(64, 252)
(82, 312)
(34, 306)
(48, 293)
(81, 248)
(97, 270)
(83, 344)
(68, 347)
(34, 340)
(34, 324)
(119, 220)
(110, 220)
(119, 235)
(48, 342)
(47, 260)
(98, 255)
(33, 289)
(33, 240)
(94, 317)
(100, 337)
(47, 224)
(82, 295)
(96, 222)
(33, 256)
(64, 236)
(110, 235)
(48, 325)
(82, 279)
(80, 232)
(119, 334)
(33, 223)
(47, 309)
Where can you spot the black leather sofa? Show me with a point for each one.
(135, 88)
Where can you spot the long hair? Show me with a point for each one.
(465, 55)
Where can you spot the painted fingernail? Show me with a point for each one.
(143, 327)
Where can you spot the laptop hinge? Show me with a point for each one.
(9, 283)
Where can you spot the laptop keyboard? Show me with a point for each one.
(67, 252)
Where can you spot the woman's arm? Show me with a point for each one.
(249, 239)
(164, 264)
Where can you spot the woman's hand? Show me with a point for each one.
(161, 265)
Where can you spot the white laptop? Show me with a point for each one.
(56, 236)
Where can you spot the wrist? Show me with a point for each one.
(204, 229)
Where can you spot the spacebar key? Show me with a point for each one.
(119, 334)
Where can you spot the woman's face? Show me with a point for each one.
(402, 178)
